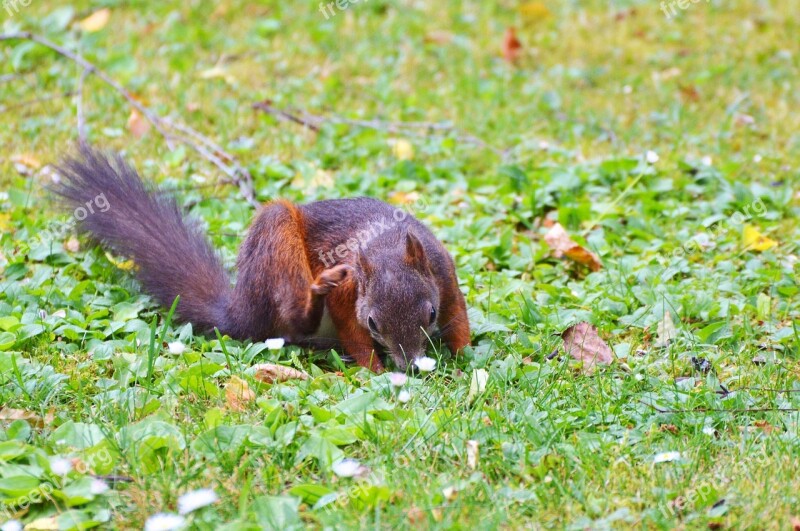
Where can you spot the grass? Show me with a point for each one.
(85, 371)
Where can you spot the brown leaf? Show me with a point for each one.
(11, 414)
(238, 393)
(582, 343)
(271, 373)
(562, 245)
(25, 164)
(765, 426)
(138, 124)
(512, 48)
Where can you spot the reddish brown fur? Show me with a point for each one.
(402, 276)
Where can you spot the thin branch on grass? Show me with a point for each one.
(721, 410)
(212, 152)
(86, 65)
(315, 122)
(79, 109)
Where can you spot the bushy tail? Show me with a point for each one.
(172, 255)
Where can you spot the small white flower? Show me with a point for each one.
(403, 396)
(627, 89)
(706, 161)
(425, 364)
(275, 344)
(711, 432)
(347, 468)
(164, 522)
(60, 466)
(665, 457)
(544, 145)
(398, 379)
(60, 314)
(191, 501)
(98, 487)
(651, 157)
(11, 525)
(176, 348)
(757, 158)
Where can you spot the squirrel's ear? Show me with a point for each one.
(415, 253)
(366, 267)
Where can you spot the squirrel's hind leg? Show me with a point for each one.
(276, 281)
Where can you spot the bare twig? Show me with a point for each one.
(79, 109)
(721, 410)
(315, 122)
(86, 65)
(211, 151)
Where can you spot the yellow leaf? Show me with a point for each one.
(403, 149)
(5, 222)
(534, 11)
(753, 239)
(96, 21)
(125, 265)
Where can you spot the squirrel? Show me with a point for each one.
(383, 281)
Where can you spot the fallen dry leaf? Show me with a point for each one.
(25, 164)
(512, 48)
(46, 523)
(11, 414)
(416, 516)
(138, 124)
(582, 343)
(96, 21)
(473, 454)
(765, 426)
(562, 245)
(666, 331)
(271, 373)
(238, 393)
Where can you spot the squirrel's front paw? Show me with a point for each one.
(330, 278)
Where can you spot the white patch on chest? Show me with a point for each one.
(326, 328)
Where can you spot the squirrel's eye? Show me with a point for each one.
(433, 315)
(372, 325)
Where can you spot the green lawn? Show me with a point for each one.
(700, 434)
